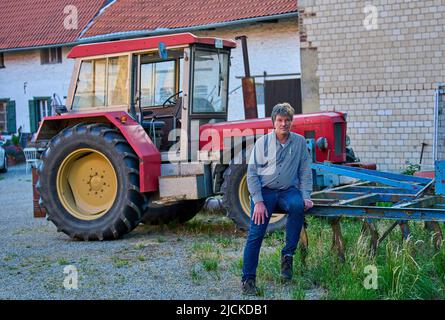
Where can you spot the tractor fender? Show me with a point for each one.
(140, 142)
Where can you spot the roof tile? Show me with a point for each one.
(41, 22)
(133, 15)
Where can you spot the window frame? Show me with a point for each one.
(75, 79)
(46, 56)
(2, 60)
(192, 83)
(177, 80)
(5, 101)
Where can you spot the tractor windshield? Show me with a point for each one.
(210, 81)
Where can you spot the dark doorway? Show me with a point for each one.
(277, 91)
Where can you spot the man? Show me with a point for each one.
(278, 176)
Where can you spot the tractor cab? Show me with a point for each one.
(170, 84)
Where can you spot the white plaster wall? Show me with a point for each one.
(24, 69)
(273, 47)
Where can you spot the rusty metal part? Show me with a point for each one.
(249, 96)
(404, 228)
(39, 211)
(370, 227)
(337, 238)
(304, 244)
(248, 84)
(387, 232)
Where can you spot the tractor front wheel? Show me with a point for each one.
(89, 183)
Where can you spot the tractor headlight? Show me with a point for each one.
(322, 143)
(348, 141)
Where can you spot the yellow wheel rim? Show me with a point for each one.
(244, 196)
(87, 184)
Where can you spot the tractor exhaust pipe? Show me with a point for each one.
(248, 84)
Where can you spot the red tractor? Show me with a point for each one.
(144, 137)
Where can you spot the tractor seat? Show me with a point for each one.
(157, 124)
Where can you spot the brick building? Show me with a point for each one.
(378, 61)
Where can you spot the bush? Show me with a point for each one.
(411, 169)
(15, 140)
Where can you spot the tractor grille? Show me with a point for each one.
(338, 141)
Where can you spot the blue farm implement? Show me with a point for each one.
(376, 195)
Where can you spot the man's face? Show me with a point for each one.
(282, 124)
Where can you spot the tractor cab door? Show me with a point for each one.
(176, 94)
(158, 95)
(208, 91)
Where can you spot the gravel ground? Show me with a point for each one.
(149, 263)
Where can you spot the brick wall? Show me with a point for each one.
(383, 78)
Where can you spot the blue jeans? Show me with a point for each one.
(291, 202)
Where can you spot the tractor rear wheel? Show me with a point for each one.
(179, 211)
(89, 183)
(236, 199)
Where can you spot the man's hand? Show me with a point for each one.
(259, 213)
(308, 204)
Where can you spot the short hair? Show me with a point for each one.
(283, 109)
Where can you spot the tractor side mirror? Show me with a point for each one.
(61, 109)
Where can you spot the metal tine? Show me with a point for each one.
(370, 226)
(434, 227)
(404, 228)
(304, 243)
(337, 238)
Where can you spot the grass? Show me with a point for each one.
(141, 258)
(62, 262)
(120, 262)
(210, 263)
(410, 269)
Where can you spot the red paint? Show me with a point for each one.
(149, 156)
(321, 122)
(425, 174)
(110, 47)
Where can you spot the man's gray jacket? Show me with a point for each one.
(277, 166)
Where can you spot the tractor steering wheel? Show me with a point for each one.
(171, 101)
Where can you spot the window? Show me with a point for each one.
(3, 116)
(2, 60)
(102, 82)
(39, 108)
(259, 88)
(210, 82)
(90, 91)
(157, 82)
(117, 81)
(51, 55)
(44, 108)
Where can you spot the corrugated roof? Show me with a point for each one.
(35, 23)
(134, 15)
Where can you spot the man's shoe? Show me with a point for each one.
(286, 267)
(249, 287)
